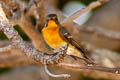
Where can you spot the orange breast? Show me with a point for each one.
(51, 35)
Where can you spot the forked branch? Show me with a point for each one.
(30, 51)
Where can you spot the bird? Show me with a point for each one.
(56, 36)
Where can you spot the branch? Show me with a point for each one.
(97, 68)
(7, 48)
(82, 11)
(30, 51)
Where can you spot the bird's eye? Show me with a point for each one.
(48, 18)
(53, 18)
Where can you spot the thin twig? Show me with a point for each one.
(82, 11)
(97, 68)
(55, 75)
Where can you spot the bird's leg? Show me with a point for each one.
(55, 75)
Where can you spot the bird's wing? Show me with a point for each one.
(65, 35)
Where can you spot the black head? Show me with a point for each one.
(52, 17)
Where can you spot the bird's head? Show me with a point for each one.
(52, 17)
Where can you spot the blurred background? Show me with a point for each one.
(107, 16)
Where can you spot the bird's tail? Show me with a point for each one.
(88, 60)
(85, 57)
(79, 53)
(83, 53)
